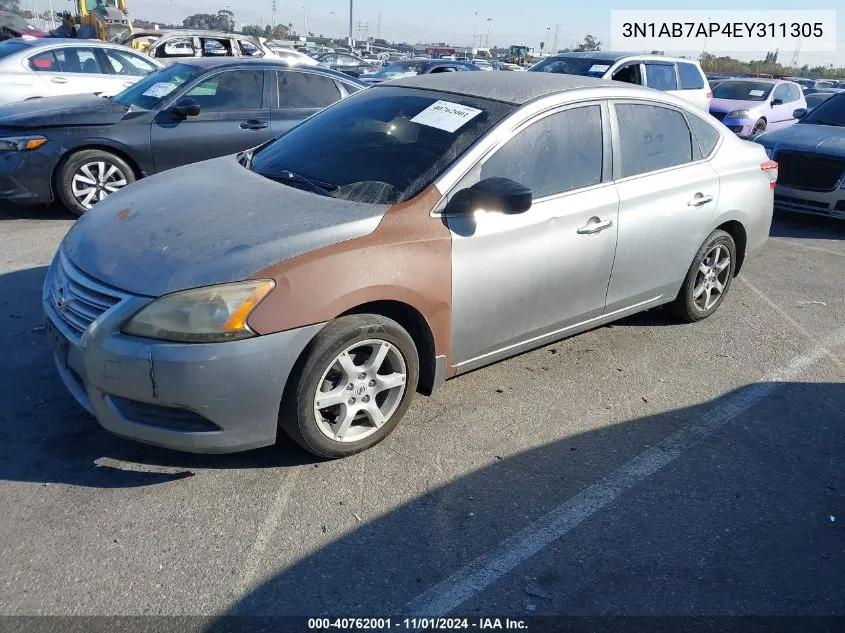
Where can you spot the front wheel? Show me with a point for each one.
(759, 127)
(353, 386)
(708, 279)
(89, 176)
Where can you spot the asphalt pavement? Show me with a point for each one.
(644, 468)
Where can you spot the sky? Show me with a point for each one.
(457, 21)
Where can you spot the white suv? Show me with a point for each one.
(681, 77)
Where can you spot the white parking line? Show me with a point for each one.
(488, 568)
(783, 315)
(265, 532)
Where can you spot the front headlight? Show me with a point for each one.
(738, 114)
(21, 143)
(203, 315)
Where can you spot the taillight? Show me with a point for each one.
(770, 168)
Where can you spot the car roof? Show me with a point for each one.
(615, 56)
(218, 62)
(514, 88)
(64, 41)
(761, 80)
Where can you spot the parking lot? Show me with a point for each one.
(644, 468)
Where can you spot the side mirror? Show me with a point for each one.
(799, 113)
(777, 102)
(186, 107)
(500, 194)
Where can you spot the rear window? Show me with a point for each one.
(10, 47)
(830, 112)
(382, 145)
(573, 66)
(691, 78)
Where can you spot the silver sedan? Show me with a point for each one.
(51, 67)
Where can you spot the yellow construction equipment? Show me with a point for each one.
(104, 20)
(519, 55)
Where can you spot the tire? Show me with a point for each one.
(88, 176)
(708, 280)
(759, 127)
(317, 423)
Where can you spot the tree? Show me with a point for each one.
(590, 43)
(280, 32)
(225, 20)
(542, 46)
(253, 30)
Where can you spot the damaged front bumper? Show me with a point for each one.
(204, 398)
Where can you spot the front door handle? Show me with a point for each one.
(699, 200)
(595, 225)
(58, 80)
(252, 124)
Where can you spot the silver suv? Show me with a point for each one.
(681, 77)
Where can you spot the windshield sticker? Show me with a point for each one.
(161, 89)
(756, 93)
(598, 68)
(447, 116)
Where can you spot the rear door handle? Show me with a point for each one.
(58, 80)
(252, 124)
(595, 225)
(699, 200)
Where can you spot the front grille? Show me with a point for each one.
(719, 115)
(77, 299)
(809, 171)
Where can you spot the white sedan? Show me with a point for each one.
(51, 67)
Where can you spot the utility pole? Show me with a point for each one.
(796, 54)
(557, 32)
(489, 20)
(305, 22)
(475, 31)
(273, 14)
(351, 39)
(378, 25)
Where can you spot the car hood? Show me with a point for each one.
(806, 137)
(729, 105)
(207, 223)
(62, 111)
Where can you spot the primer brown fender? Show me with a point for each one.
(408, 258)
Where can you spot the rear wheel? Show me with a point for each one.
(89, 176)
(708, 279)
(352, 388)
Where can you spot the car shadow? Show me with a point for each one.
(46, 437)
(53, 211)
(805, 226)
(711, 531)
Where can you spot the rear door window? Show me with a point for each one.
(651, 138)
(306, 90)
(661, 76)
(691, 78)
(562, 152)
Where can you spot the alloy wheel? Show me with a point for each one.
(94, 181)
(360, 390)
(712, 277)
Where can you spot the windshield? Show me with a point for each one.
(399, 69)
(14, 21)
(380, 146)
(573, 66)
(829, 112)
(153, 89)
(743, 90)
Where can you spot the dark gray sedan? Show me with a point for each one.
(81, 148)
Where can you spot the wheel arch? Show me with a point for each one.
(737, 231)
(101, 146)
